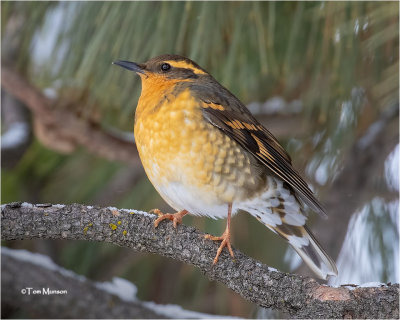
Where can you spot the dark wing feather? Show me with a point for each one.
(223, 110)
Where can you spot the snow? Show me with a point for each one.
(292, 259)
(347, 116)
(119, 287)
(177, 312)
(337, 35)
(27, 205)
(392, 169)
(321, 174)
(356, 26)
(370, 248)
(372, 284)
(50, 93)
(130, 211)
(59, 206)
(127, 136)
(39, 260)
(17, 134)
(275, 105)
(259, 264)
(363, 285)
(30, 205)
(353, 287)
(126, 291)
(45, 39)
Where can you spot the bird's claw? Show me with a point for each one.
(225, 237)
(174, 217)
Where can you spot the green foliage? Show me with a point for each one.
(311, 49)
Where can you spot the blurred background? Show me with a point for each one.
(322, 76)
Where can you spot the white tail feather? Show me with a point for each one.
(325, 267)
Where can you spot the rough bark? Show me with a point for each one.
(301, 297)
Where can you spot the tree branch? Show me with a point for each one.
(61, 129)
(301, 297)
(28, 278)
(75, 291)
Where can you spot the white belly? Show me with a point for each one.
(198, 203)
(262, 206)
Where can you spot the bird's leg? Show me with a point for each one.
(225, 237)
(175, 217)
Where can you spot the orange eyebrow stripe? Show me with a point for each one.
(185, 65)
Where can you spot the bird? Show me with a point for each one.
(207, 155)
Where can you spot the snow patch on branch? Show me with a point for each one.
(41, 261)
(177, 312)
(16, 135)
(27, 205)
(130, 211)
(119, 287)
(372, 284)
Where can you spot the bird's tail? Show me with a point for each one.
(305, 244)
(279, 209)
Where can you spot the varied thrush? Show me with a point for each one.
(207, 155)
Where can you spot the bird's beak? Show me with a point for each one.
(130, 66)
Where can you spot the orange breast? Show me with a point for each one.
(177, 145)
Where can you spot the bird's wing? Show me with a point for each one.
(223, 110)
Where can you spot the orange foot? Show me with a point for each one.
(175, 217)
(225, 237)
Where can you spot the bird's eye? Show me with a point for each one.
(165, 67)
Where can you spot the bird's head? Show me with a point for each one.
(165, 69)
